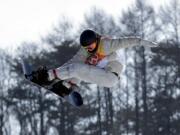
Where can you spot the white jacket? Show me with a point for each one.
(99, 67)
(108, 46)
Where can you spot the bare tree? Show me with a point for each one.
(170, 20)
(101, 22)
(4, 85)
(61, 32)
(139, 21)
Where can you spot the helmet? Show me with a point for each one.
(87, 37)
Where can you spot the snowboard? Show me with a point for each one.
(56, 86)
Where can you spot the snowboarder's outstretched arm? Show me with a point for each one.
(116, 44)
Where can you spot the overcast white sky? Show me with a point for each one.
(27, 20)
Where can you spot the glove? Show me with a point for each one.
(40, 76)
(92, 59)
(147, 43)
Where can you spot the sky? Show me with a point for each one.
(28, 20)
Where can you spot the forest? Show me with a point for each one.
(145, 102)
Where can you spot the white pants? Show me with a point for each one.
(91, 74)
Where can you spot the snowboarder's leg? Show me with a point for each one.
(87, 73)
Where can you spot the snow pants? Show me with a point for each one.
(106, 77)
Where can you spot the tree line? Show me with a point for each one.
(145, 102)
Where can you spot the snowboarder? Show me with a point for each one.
(96, 61)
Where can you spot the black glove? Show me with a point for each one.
(40, 76)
